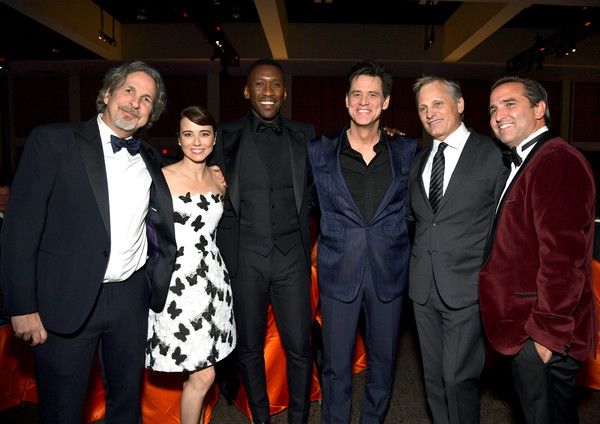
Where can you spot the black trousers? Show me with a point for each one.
(285, 281)
(119, 324)
(546, 391)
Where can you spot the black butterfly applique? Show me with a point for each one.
(202, 269)
(151, 343)
(178, 356)
(202, 364)
(180, 218)
(230, 339)
(176, 267)
(192, 279)
(163, 349)
(152, 361)
(187, 198)
(179, 252)
(197, 224)
(197, 323)
(213, 235)
(214, 356)
(178, 287)
(201, 245)
(203, 203)
(173, 310)
(220, 294)
(208, 313)
(228, 298)
(182, 333)
(214, 332)
(211, 289)
(216, 197)
(219, 260)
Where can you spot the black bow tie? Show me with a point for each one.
(131, 144)
(511, 156)
(264, 126)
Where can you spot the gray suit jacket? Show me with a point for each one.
(448, 246)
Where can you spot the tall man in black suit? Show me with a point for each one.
(264, 237)
(452, 212)
(79, 266)
(361, 175)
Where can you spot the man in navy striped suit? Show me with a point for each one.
(360, 176)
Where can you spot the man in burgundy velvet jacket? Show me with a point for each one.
(536, 283)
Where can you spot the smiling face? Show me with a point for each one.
(439, 113)
(196, 140)
(512, 117)
(365, 100)
(266, 91)
(128, 107)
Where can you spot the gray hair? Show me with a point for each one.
(452, 88)
(116, 76)
(532, 90)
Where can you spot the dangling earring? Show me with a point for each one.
(179, 144)
(214, 142)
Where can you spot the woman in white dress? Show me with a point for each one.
(196, 329)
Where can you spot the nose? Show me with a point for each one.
(268, 90)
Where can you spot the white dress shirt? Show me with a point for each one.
(456, 142)
(128, 198)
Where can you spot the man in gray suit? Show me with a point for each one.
(451, 196)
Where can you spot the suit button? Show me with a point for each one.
(429, 252)
(434, 224)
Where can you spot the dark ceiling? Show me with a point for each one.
(24, 39)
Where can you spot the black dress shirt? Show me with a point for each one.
(367, 183)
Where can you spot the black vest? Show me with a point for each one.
(268, 215)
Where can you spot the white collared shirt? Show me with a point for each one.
(456, 142)
(128, 199)
(523, 154)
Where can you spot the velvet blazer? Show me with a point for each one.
(536, 280)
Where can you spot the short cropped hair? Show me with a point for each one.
(532, 90)
(452, 88)
(372, 69)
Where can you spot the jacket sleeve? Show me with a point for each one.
(24, 221)
(562, 202)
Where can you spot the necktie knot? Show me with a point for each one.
(131, 144)
(441, 147)
(436, 182)
(511, 156)
(264, 126)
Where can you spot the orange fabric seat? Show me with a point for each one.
(589, 373)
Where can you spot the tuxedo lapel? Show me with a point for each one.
(541, 139)
(298, 162)
(419, 177)
(231, 159)
(92, 155)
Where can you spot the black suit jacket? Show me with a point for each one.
(56, 235)
(448, 245)
(227, 155)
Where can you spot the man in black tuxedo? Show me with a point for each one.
(450, 235)
(89, 246)
(264, 237)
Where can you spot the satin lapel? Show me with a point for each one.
(331, 156)
(232, 155)
(92, 155)
(461, 170)
(298, 160)
(541, 139)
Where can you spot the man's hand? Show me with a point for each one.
(29, 328)
(543, 351)
(219, 175)
(393, 131)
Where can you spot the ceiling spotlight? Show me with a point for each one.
(236, 13)
(140, 14)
